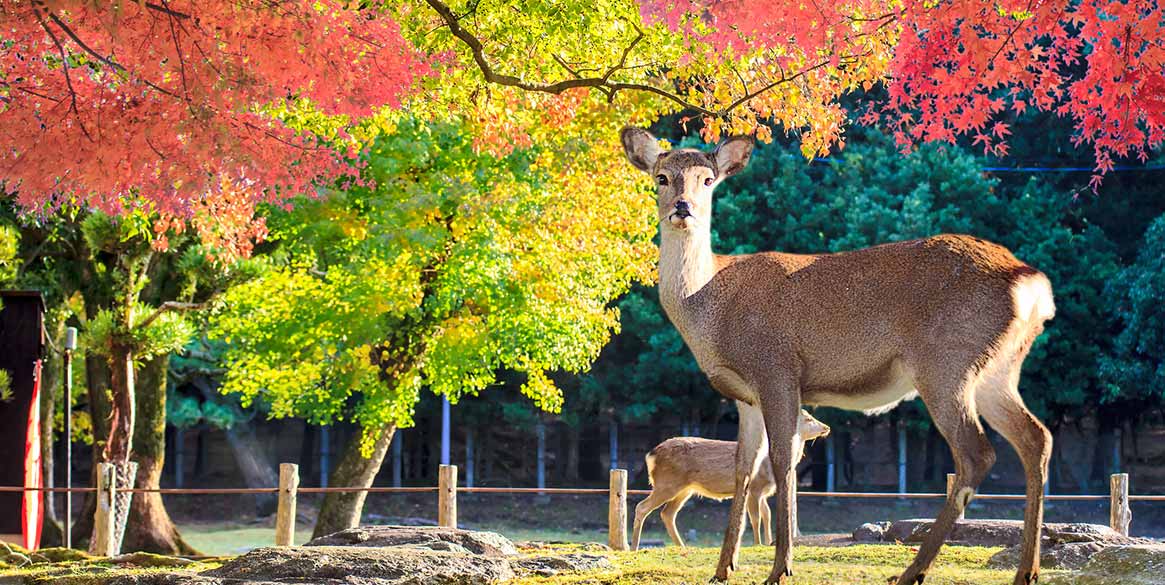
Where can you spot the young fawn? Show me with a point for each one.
(682, 466)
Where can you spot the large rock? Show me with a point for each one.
(1006, 533)
(1140, 564)
(371, 566)
(870, 531)
(384, 555)
(1068, 555)
(429, 537)
(548, 566)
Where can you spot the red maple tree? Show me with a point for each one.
(114, 104)
(958, 66)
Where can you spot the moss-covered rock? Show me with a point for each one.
(1120, 565)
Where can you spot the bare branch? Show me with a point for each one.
(172, 306)
(602, 84)
(64, 67)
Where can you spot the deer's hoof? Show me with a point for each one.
(1029, 578)
(898, 579)
(780, 577)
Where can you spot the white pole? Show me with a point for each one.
(70, 345)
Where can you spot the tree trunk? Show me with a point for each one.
(150, 528)
(121, 432)
(342, 510)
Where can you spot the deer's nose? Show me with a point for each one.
(682, 208)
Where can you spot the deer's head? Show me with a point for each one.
(809, 428)
(685, 176)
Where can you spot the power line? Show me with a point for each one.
(1115, 169)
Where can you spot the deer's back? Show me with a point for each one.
(856, 319)
(706, 466)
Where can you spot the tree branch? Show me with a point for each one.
(602, 84)
(64, 67)
(172, 306)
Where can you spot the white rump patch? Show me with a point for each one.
(1032, 296)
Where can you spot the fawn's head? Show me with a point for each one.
(685, 176)
(809, 428)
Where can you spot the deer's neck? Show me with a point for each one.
(686, 264)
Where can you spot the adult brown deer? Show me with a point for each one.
(682, 466)
(950, 318)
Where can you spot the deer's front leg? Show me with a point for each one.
(782, 407)
(750, 449)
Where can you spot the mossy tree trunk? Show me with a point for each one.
(343, 510)
(150, 528)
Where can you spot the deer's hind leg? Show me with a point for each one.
(949, 397)
(658, 497)
(668, 515)
(755, 516)
(1001, 405)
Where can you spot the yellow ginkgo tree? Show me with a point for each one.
(450, 263)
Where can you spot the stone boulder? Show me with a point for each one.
(429, 537)
(548, 566)
(1138, 564)
(1006, 533)
(871, 531)
(384, 555)
(1068, 555)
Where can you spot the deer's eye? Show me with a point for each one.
(662, 180)
(708, 182)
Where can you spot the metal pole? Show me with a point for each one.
(325, 455)
(613, 442)
(67, 412)
(901, 458)
(445, 430)
(540, 429)
(830, 481)
(469, 458)
(397, 439)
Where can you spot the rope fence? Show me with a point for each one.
(447, 490)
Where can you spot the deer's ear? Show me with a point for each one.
(732, 155)
(641, 147)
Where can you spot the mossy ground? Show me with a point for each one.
(813, 565)
(71, 567)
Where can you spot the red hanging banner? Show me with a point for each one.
(31, 520)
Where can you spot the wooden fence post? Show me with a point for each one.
(951, 494)
(447, 496)
(617, 512)
(1120, 515)
(103, 517)
(285, 513)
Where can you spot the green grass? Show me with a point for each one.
(217, 540)
(812, 565)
